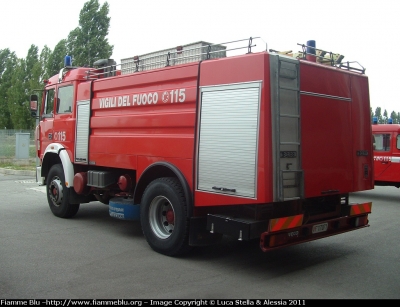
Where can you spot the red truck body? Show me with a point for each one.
(386, 141)
(256, 146)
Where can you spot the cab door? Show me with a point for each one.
(47, 120)
(64, 122)
(57, 123)
(392, 172)
(383, 155)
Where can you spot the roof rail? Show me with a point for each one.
(194, 52)
(328, 58)
(201, 51)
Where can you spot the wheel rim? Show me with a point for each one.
(162, 217)
(55, 191)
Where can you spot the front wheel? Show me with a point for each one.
(58, 194)
(163, 215)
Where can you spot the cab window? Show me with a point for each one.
(49, 103)
(398, 142)
(64, 99)
(382, 142)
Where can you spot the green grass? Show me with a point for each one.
(8, 140)
(7, 158)
(28, 165)
(8, 149)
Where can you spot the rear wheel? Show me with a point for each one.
(58, 194)
(163, 215)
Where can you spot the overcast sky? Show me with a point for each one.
(364, 31)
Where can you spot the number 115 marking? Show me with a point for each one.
(177, 95)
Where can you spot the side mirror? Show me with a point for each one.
(34, 105)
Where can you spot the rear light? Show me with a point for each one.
(288, 222)
(358, 209)
(361, 221)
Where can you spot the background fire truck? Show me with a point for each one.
(196, 144)
(386, 142)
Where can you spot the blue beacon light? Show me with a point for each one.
(67, 61)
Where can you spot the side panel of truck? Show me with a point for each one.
(363, 176)
(326, 130)
(331, 125)
(233, 158)
(149, 114)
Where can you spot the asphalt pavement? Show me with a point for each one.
(95, 256)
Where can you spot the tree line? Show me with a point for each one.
(384, 118)
(21, 77)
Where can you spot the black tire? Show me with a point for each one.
(163, 216)
(58, 194)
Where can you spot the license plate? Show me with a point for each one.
(320, 228)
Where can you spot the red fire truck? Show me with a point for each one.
(386, 142)
(197, 145)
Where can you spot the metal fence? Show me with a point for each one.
(10, 141)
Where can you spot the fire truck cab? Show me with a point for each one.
(386, 143)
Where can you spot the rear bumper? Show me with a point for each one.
(289, 230)
(357, 218)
